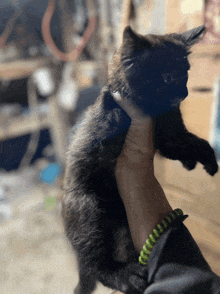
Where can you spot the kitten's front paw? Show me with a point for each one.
(189, 149)
(211, 167)
(201, 152)
(206, 156)
(189, 164)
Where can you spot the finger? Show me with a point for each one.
(133, 111)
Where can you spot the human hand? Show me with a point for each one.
(144, 200)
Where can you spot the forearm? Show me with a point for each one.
(143, 198)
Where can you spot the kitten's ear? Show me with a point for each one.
(131, 40)
(129, 36)
(193, 36)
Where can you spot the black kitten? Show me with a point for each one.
(151, 71)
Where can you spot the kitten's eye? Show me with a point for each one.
(167, 78)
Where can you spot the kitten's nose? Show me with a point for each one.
(183, 79)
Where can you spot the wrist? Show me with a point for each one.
(159, 229)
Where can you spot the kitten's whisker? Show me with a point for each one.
(127, 68)
(128, 59)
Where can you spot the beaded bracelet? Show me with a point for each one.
(160, 229)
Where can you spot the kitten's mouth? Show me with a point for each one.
(172, 99)
(176, 101)
(172, 102)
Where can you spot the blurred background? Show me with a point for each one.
(53, 62)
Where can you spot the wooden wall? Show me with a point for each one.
(197, 193)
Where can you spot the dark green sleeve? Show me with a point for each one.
(177, 266)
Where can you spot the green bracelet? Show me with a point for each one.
(160, 229)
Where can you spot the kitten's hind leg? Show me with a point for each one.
(130, 279)
(86, 284)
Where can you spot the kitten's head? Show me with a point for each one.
(151, 70)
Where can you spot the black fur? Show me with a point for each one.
(94, 215)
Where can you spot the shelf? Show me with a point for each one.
(21, 68)
(21, 126)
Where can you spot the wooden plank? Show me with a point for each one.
(21, 126)
(20, 69)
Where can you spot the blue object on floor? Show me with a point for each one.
(49, 174)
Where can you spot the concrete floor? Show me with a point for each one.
(36, 256)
